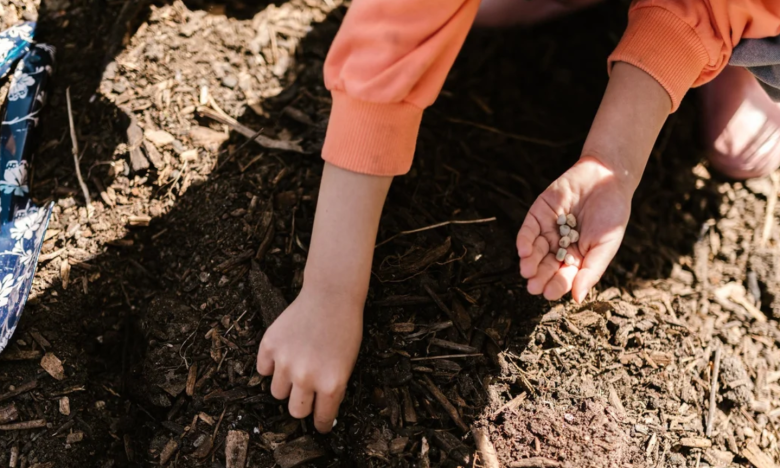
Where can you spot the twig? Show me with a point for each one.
(19, 390)
(535, 462)
(75, 142)
(24, 425)
(444, 402)
(446, 356)
(237, 150)
(437, 300)
(262, 140)
(434, 226)
(527, 139)
(487, 452)
(769, 219)
(713, 391)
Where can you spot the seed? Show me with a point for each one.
(561, 219)
(560, 255)
(574, 236)
(569, 259)
(571, 220)
(565, 230)
(564, 242)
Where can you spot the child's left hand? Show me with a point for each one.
(601, 202)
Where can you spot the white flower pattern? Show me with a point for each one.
(15, 178)
(27, 224)
(7, 286)
(19, 85)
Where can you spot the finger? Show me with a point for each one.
(301, 401)
(326, 408)
(560, 283)
(281, 385)
(547, 269)
(528, 233)
(593, 267)
(265, 361)
(530, 264)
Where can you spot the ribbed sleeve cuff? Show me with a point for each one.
(664, 46)
(371, 138)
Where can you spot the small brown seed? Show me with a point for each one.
(561, 219)
(574, 236)
(569, 259)
(564, 242)
(560, 255)
(571, 220)
(564, 230)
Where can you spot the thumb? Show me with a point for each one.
(594, 264)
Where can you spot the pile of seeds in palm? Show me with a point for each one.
(569, 237)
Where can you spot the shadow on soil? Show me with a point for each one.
(129, 339)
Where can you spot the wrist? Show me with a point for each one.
(632, 112)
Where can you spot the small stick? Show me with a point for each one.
(527, 139)
(238, 150)
(446, 356)
(434, 226)
(535, 462)
(24, 388)
(769, 219)
(75, 142)
(485, 447)
(437, 300)
(713, 391)
(34, 424)
(444, 402)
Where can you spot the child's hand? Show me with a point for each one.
(601, 202)
(310, 350)
(597, 190)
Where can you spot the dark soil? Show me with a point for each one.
(154, 301)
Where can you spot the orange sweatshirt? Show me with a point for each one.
(390, 59)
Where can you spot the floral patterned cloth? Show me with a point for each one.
(22, 223)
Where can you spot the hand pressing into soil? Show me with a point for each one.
(597, 190)
(310, 350)
(601, 202)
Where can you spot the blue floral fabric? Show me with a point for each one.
(22, 223)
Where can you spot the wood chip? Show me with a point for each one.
(696, 442)
(236, 447)
(192, 377)
(167, 452)
(444, 402)
(65, 273)
(487, 452)
(141, 220)
(8, 414)
(24, 388)
(757, 457)
(159, 138)
(24, 425)
(535, 462)
(266, 296)
(53, 366)
(74, 437)
(65, 406)
(207, 138)
(298, 452)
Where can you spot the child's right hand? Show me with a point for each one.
(601, 202)
(597, 190)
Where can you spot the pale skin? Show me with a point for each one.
(312, 347)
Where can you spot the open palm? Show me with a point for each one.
(602, 206)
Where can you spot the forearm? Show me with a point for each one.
(345, 229)
(632, 112)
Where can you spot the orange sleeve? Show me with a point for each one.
(387, 63)
(686, 43)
